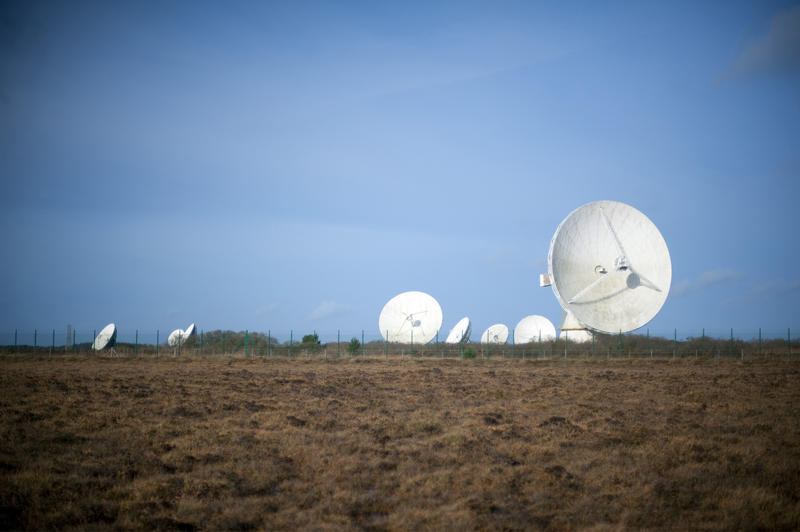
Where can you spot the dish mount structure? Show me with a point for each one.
(609, 268)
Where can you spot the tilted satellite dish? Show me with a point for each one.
(410, 317)
(496, 334)
(534, 328)
(175, 338)
(609, 268)
(577, 336)
(189, 331)
(107, 337)
(460, 333)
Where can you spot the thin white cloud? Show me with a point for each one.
(776, 52)
(768, 291)
(327, 309)
(705, 280)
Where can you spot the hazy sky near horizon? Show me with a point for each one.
(260, 165)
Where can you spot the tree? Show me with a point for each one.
(354, 346)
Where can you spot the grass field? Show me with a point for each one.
(221, 443)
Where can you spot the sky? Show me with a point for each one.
(292, 166)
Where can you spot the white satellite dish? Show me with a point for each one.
(460, 333)
(410, 317)
(534, 328)
(576, 336)
(107, 337)
(496, 334)
(189, 331)
(175, 338)
(609, 268)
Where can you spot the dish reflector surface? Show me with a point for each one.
(496, 334)
(175, 337)
(610, 267)
(410, 317)
(190, 331)
(532, 328)
(460, 333)
(105, 338)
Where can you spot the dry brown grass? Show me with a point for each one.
(254, 444)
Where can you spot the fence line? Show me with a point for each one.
(698, 344)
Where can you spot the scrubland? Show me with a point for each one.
(221, 443)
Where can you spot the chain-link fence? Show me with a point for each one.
(744, 344)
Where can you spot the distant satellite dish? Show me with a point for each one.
(496, 334)
(460, 333)
(175, 338)
(577, 336)
(534, 328)
(410, 317)
(107, 337)
(609, 267)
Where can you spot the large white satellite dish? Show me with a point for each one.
(107, 337)
(534, 328)
(175, 338)
(410, 317)
(609, 267)
(460, 333)
(495, 334)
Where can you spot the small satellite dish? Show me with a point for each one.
(576, 336)
(410, 317)
(609, 267)
(175, 338)
(189, 332)
(107, 337)
(460, 333)
(496, 334)
(534, 328)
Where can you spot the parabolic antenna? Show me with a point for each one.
(107, 337)
(175, 338)
(460, 333)
(189, 331)
(496, 334)
(534, 328)
(410, 317)
(577, 336)
(609, 267)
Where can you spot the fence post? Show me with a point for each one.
(16, 349)
(675, 344)
(73, 340)
(157, 342)
(412, 341)
(223, 343)
(619, 344)
(386, 346)
(291, 339)
(269, 343)
(338, 342)
(703, 343)
(201, 342)
(566, 341)
(513, 341)
(363, 348)
(437, 344)
(730, 348)
(136, 345)
(53, 344)
(648, 343)
(180, 344)
(540, 344)
(759, 342)
(789, 342)
(35, 340)
(246, 341)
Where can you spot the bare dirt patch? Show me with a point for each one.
(207, 444)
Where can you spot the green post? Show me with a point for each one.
(338, 342)
(223, 343)
(461, 348)
(512, 344)
(540, 344)
(488, 346)
(789, 342)
(437, 344)
(269, 343)
(619, 344)
(291, 339)
(648, 343)
(730, 348)
(246, 341)
(703, 343)
(53, 344)
(16, 349)
(592, 344)
(157, 342)
(566, 341)
(136, 345)
(386, 346)
(180, 344)
(759, 342)
(412, 341)
(363, 348)
(94, 336)
(201, 343)
(675, 344)
(73, 340)
(35, 340)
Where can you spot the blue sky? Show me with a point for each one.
(293, 166)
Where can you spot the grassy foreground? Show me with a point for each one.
(96, 443)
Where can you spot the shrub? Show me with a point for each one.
(354, 346)
(469, 352)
